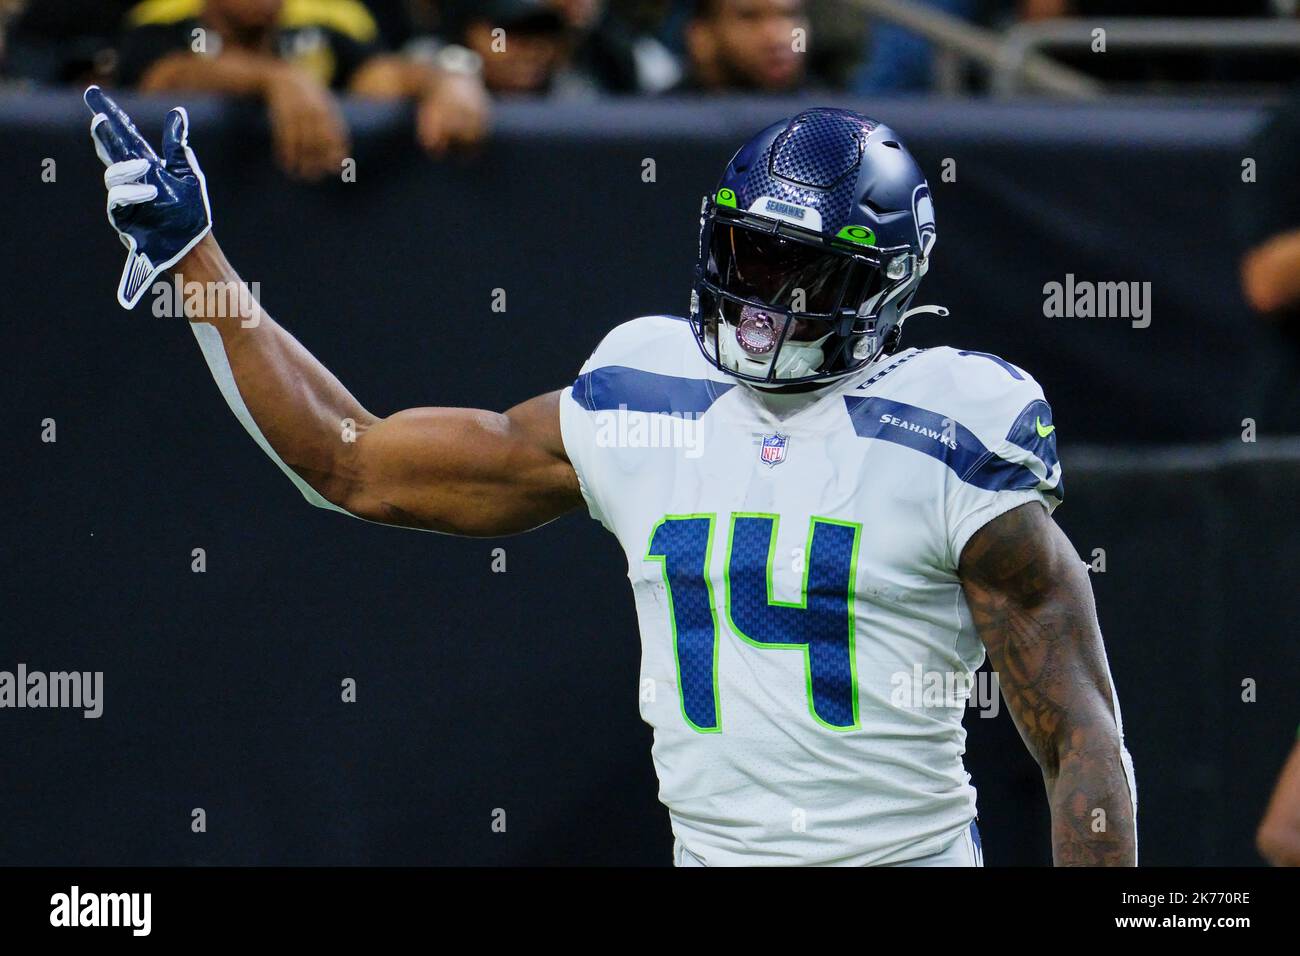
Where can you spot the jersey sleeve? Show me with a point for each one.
(626, 370)
(1008, 459)
(578, 428)
(580, 422)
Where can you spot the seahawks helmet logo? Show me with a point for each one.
(785, 209)
(923, 213)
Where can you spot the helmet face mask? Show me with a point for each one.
(765, 345)
(775, 305)
(793, 282)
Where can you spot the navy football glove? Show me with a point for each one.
(159, 207)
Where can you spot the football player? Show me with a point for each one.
(829, 519)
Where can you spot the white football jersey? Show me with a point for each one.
(794, 564)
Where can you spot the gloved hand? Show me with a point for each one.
(159, 207)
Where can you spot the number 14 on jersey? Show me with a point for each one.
(820, 624)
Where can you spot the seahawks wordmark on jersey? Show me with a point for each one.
(794, 561)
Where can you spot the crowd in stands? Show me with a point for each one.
(568, 48)
(452, 58)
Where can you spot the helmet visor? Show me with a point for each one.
(786, 273)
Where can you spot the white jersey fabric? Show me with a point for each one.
(794, 565)
(965, 851)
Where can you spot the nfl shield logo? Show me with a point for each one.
(774, 449)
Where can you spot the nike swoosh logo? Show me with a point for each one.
(1043, 432)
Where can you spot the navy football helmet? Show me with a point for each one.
(811, 249)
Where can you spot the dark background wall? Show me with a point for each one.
(480, 690)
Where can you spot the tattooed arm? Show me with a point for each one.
(1032, 603)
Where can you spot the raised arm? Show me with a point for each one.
(461, 471)
(458, 470)
(1032, 603)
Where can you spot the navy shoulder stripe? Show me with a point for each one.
(941, 438)
(617, 386)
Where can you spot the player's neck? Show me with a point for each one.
(787, 396)
(788, 400)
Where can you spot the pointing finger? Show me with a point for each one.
(115, 135)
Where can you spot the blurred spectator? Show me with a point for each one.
(663, 20)
(522, 43)
(61, 41)
(563, 48)
(1268, 226)
(402, 22)
(580, 14)
(746, 45)
(292, 53)
(838, 31)
(898, 60)
(655, 31)
(616, 47)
